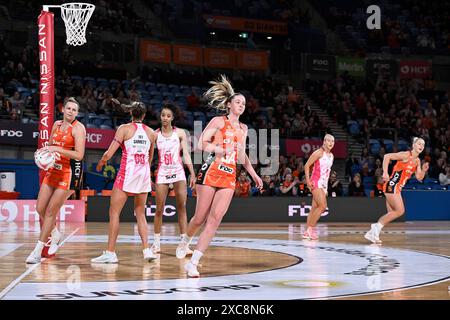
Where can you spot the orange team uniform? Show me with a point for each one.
(66, 173)
(400, 174)
(221, 172)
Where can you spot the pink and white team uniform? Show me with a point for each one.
(321, 171)
(170, 165)
(134, 173)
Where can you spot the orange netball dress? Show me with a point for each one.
(400, 174)
(221, 172)
(66, 173)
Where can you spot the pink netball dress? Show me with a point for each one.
(170, 165)
(321, 171)
(134, 173)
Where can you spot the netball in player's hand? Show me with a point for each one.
(53, 149)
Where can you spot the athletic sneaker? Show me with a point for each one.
(148, 254)
(373, 234)
(182, 250)
(310, 234)
(106, 257)
(156, 247)
(191, 270)
(34, 257)
(55, 240)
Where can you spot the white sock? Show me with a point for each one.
(196, 256)
(379, 226)
(185, 238)
(55, 231)
(39, 246)
(157, 238)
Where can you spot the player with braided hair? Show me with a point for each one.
(133, 179)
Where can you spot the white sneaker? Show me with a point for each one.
(191, 270)
(156, 247)
(56, 237)
(148, 254)
(34, 257)
(182, 250)
(106, 257)
(373, 234)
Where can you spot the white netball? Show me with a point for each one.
(44, 159)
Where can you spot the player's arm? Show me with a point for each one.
(152, 136)
(313, 158)
(79, 135)
(205, 139)
(421, 170)
(388, 157)
(187, 156)
(115, 144)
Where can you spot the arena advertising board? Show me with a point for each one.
(387, 68)
(244, 24)
(25, 210)
(354, 66)
(418, 69)
(26, 134)
(320, 64)
(303, 148)
(256, 209)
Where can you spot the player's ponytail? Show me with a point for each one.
(220, 94)
(137, 109)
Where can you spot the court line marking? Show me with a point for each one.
(15, 282)
(336, 232)
(425, 284)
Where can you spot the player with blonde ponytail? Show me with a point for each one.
(408, 162)
(224, 138)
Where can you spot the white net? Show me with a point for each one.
(76, 18)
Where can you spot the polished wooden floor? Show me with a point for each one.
(85, 241)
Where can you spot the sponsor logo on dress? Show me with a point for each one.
(225, 168)
(173, 176)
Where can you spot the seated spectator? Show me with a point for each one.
(352, 165)
(334, 186)
(242, 189)
(16, 102)
(378, 192)
(193, 101)
(303, 190)
(5, 105)
(14, 114)
(356, 188)
(268, 189)
(289, 186)
(299, 172)
(108, 106)
(444, 177)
